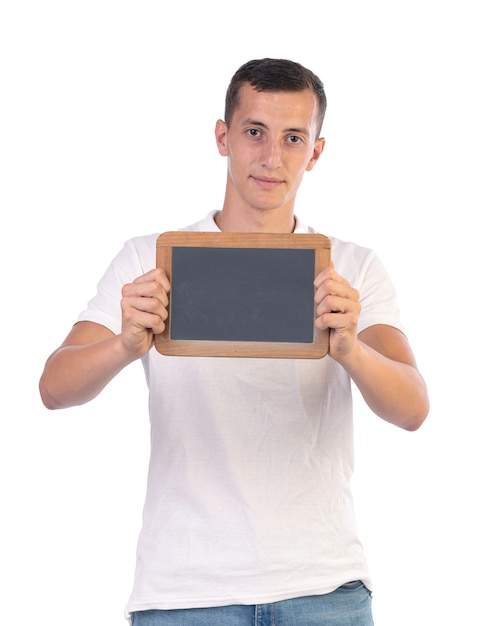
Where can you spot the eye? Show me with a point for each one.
(253, 132)
(294, 139)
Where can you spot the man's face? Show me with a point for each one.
(270, 143)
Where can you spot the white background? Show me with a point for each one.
(106, 132)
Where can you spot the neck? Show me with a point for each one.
(255, 221)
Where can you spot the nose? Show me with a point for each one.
(271, 156)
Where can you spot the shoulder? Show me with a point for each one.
(140, 251)
(350, 259)
(207, 224)
(353, 261)
(137, 254)
(350, 255)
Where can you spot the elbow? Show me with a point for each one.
(408, 415)
(417, 407)
(418, 416)
(47, 398)
(414, 424)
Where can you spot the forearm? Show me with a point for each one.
(75, 374)
(394, 390)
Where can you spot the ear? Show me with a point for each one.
(317, 152)
(221, 133)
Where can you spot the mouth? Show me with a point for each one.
(267, 182)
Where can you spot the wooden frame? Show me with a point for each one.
(168, 345)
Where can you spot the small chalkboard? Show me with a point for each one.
(242, 294)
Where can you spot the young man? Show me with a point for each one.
(248, 517)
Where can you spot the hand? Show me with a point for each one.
(338, 309)
(144, 311)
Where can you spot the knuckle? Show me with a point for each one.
(126, 290)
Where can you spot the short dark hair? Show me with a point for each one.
(274, 75)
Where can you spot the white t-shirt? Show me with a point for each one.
(248, 495)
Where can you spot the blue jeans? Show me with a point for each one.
(349, 605)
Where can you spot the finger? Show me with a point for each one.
(146, 289)
(158, 275)
(337, 305)
(331, 276)
(335, 288)
(144, 313)
(322, 276)
(344, 323)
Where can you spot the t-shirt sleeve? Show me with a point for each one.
(365, 271)
(136, 258)
(377, 296)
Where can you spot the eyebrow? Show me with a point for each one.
(251, 122)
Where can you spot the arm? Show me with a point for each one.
(379, 360)
(92, 355)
